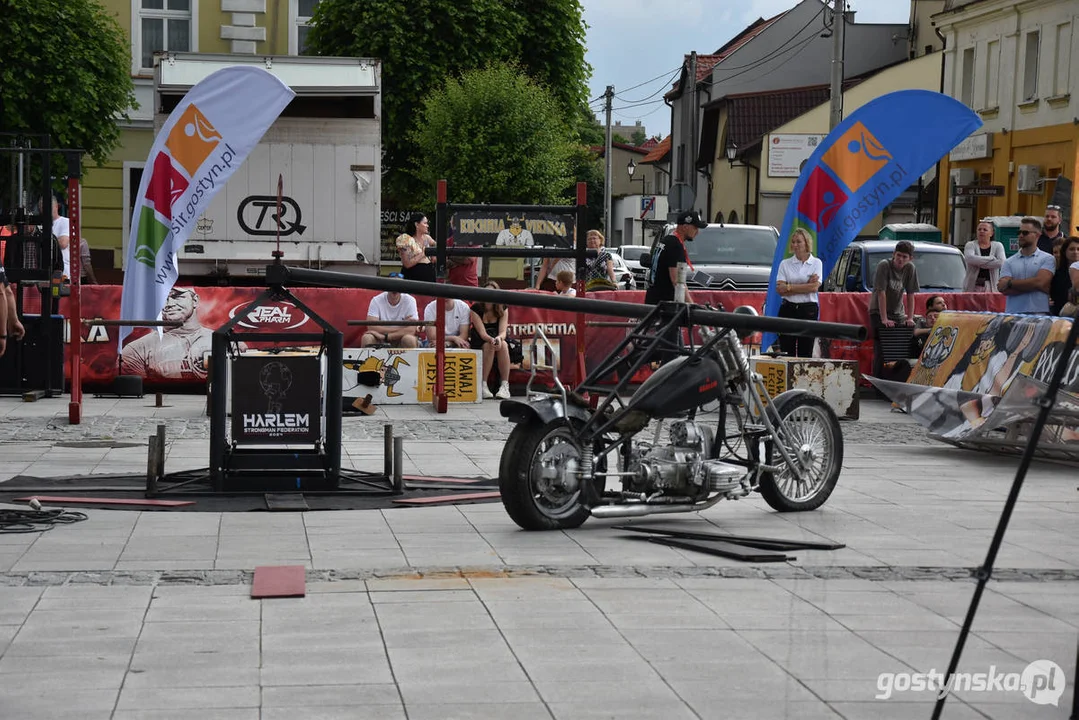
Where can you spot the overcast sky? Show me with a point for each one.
(642, 43)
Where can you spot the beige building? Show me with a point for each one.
(270, 27)
(784, 148)
(1017, 65)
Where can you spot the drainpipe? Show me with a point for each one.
(940, 179)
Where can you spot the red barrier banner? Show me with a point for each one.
(178, 356)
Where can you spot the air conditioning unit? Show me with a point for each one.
(1029, 179)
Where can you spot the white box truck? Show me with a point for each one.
(326, 145)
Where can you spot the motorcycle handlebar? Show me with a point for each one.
(282, 275)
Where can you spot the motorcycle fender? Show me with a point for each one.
(544, 410)
(781, 397)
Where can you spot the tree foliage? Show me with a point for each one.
(496, 136)
(423, 43)
(65, 71)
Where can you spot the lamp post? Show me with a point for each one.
(632, 168)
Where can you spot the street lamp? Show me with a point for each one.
(732, 152)
(632, 168)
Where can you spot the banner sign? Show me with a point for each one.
(205, 139)
(983, 353)
(276, 399)
(524, 229)
(406, 376)
(179, 357)
(864, 164)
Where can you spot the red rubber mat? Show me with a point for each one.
(447, 499)
(65, 500)
(284, 581)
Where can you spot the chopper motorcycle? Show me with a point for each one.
(592, 453)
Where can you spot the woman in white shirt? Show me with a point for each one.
(984, 257)
(797, 283)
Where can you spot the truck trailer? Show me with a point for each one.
(327, 147)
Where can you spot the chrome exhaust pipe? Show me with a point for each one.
(639, 509)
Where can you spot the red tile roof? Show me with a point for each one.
(659, 152)
(751, 116)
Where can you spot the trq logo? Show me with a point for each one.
(276, 316)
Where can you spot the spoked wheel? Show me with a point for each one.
(810, 431)
(538, 478)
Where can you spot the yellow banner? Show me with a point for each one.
(984, 352)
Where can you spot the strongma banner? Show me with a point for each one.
(865, 163)
(205, 139)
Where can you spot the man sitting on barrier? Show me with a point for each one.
(458, 322)
(391, 307)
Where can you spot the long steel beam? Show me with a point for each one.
(285, 275)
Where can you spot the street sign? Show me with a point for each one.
(979, 190)
(648, 208)
(681, 197)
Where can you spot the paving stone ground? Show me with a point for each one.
(455, 613)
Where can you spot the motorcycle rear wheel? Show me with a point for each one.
(811, 430)
(532, 476)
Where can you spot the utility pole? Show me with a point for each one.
(609, 96)
(695, 110)
(839, 23)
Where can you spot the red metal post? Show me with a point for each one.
(582, 201)
(74, 409)
(438, 398)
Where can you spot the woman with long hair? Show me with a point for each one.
(490, 323)
(411, 246)
(1065, 284)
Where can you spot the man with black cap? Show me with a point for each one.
(665, 261)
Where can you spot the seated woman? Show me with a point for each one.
(489, 325)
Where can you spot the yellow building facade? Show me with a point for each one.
(249, 27)
(1017, 65)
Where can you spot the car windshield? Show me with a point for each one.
(936, 271)
(631, 253)
(724, 245)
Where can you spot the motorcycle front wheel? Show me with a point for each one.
(537, 476)
(810, 430)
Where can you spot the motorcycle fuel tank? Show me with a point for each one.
(679, 386)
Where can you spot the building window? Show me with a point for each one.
(301, 12)
(162, 25)
(967, 95)
(1062, 71)
(992, 74)
(1030, 66)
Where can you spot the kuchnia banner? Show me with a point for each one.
(524, 229)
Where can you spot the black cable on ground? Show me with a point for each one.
(28, 521)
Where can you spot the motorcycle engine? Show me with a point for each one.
(684, 464)
(678, 465)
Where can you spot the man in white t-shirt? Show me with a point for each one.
(61, 228)
(458, 322)
(393, 306)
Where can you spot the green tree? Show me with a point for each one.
(422, 43)
(65, 71)
(639, 137)
(496, 136)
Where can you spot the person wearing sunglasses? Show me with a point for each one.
(1052, 233)
(1026, 276)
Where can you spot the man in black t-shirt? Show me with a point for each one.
(665, 261)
